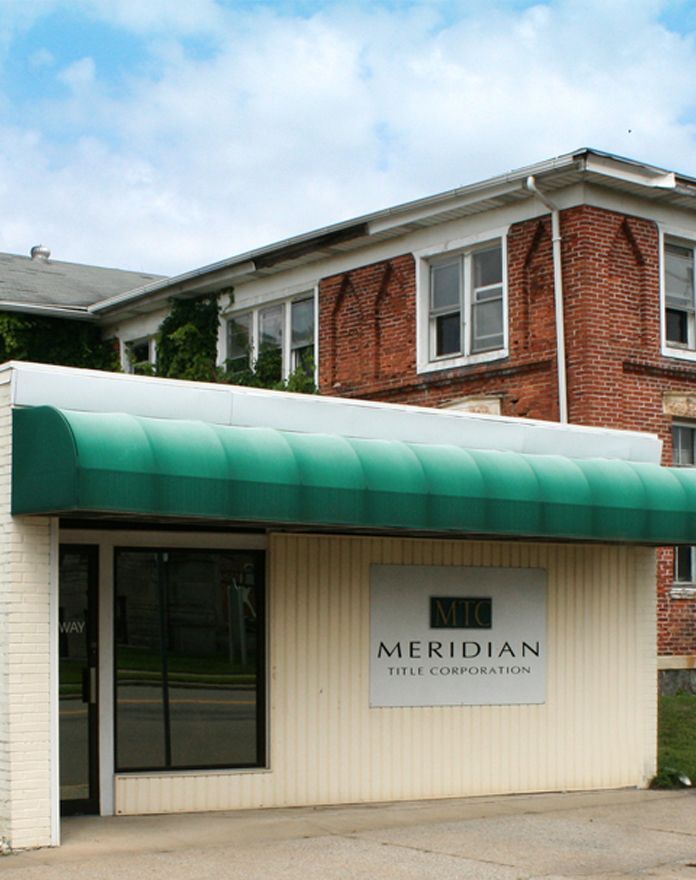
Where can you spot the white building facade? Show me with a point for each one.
(222, 598)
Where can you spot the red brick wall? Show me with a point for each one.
(367, 335)
(616, 374)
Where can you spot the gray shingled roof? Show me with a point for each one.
(54, 283)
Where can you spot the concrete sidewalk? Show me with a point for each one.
(615, 834)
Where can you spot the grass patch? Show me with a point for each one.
(676, 753)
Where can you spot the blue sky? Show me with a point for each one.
(165, 134)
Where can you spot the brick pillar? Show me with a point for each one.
(25, 668)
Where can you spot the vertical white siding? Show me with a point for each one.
(326, 745)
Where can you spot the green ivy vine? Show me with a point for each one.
(55, 341)
(186, 348)
(187, 342)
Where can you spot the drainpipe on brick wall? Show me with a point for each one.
(530, 184)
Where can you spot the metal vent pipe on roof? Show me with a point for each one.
(530, 184)
(40, 252)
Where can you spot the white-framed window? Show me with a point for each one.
(277, 339)
(462, 305)
(140, 355)
(684, 455)
(678, 295)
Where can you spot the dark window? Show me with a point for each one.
(683, 564)
(189, 659)
(466, 303)
(679, 295)
(302, 336)
(239, 342)
(684, 455)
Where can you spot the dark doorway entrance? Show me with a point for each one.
(77, 650)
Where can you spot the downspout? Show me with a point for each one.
(530, 184)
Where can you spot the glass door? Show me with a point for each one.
(77, 650)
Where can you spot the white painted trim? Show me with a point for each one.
(424, 363)
(687, 237)
(54, 677)
(106, 678)
(247, 301)
(316, 334)
(682, 591)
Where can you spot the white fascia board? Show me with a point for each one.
(470, 197)
(661, 212)
(94, 391)
(644, 175)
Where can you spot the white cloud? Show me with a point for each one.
(42, 58)
(80, 75)
(295, 122)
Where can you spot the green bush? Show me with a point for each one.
(55, 341)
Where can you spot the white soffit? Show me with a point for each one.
(94, 391)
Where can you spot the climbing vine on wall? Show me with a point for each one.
(187, 343)
(187, 340)
(55, 341)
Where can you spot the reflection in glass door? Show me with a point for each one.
(189, 634)
(77, 650)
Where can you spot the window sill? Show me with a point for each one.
(682, 354)
(682, 591)
(465, 361)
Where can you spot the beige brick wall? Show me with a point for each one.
(25, 747)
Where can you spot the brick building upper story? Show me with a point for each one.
(560, 290)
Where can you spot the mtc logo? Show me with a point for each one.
(460, 612)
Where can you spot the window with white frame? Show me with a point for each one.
(466, 303)
(680, 296)
(275, 340)
(140, 355)
(684, 455)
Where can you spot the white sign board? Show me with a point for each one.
(457, 636)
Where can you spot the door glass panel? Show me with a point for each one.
(77, 650)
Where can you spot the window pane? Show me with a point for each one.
(271, 326)
(303, 359)
(212, 659)
(677, 327)
(444, 281)
(239, 341)
(139, 351)
(302, 320)
(447, 334)
(269, 360)
(682, 564)
(679, 276)
(488, 325)
(683, 445)
(488, 267)
(140, 727)
(189, 659)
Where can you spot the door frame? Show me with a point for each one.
(89, 805)
(104, 540)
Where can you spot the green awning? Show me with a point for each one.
(113, 463)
